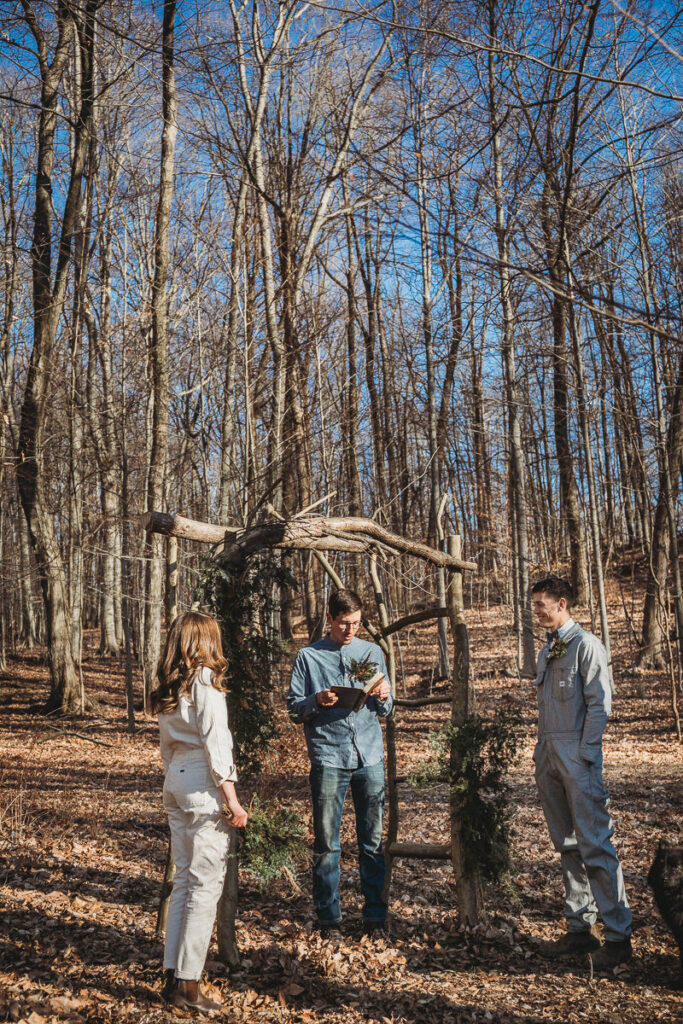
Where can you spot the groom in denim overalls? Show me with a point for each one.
(574, 702)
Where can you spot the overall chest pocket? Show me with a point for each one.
(563, 683)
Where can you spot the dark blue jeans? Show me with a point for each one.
(328, 789)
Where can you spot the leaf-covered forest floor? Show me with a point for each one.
(83, 844)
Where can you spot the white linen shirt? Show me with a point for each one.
(200, 722)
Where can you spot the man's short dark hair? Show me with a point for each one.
(556, 588)
(344, 601)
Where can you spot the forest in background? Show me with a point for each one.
(423, 260)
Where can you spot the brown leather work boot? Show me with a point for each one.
(570, 944)
(612, 954)
(169, 985)
(189, 996)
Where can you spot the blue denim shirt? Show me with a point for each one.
(338, 737)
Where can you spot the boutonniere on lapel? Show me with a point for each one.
(363, 670)
(557, 648)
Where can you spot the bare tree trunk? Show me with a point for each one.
(254, 161)
(588, 455)
(126, 588)
(517, 470)
(371, 290)
(232, 344)
(76, 448)
(77, 460)
(664, 538)
(664, 549)
(26, 633)
(569, 492)
(627, 428)
(5, 612)
(28, 629)
(350, 423)
(101, 413)
(556, 156)
(48, 303)
(435, 452)
(101, 423)
(159, 436)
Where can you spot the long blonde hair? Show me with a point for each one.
(193, 641)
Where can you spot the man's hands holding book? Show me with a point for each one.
(326, 698)
(377, 687)
(380, 690)
(354, 697)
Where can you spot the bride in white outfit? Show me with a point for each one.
(196, 749)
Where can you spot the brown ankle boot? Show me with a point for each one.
(169, 985)
(611, 954)
(570, 944)
(189, 996)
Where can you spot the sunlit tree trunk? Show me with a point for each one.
(48, 303)
(26, 625)
(664, 547)
(158, 352)
(516, 451)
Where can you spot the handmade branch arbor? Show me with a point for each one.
(310, 533)
(319, 534)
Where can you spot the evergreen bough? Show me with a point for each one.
(474, 758)
(273, 841)
(243, 600)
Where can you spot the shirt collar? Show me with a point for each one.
(327, 643)
(563, 630)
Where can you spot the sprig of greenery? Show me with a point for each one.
(474, 759)
(273, 842)
(558, 649)
(364, 669)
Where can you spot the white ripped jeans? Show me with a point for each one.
(199, 843)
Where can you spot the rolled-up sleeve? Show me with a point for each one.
(302, 704)
(212, 725)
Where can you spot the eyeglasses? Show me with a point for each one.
(351, 626)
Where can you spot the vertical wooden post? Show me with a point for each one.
(467, 883)
(392, 789)
(171, 613)
(171, 580)
(125, 606)
(227, 908)
(444, 661)
(167, 886)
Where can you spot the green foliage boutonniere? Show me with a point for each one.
(363, 670)
(558, 649)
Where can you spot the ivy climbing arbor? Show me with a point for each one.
(365, 537)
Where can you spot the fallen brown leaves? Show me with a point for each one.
(83, 843)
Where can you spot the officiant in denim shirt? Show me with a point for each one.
(345, 748)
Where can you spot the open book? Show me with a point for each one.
(354, 697)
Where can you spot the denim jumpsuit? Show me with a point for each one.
(574, 702)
